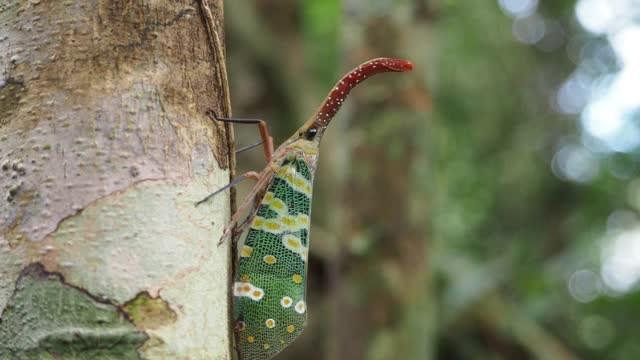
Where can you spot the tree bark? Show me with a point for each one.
(104, 149)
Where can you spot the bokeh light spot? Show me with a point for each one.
(595, 15)
(621, 220)
(620, 269)
(626, 44)
(518, 8)
(575, 163)
(529, 30)
(584, 285)
(573, 95)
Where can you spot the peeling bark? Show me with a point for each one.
(104, 148)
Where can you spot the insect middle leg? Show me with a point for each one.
(261, 178)
(267, 142)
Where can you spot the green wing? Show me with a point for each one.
(270, 284)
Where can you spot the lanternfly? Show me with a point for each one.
(270, 283)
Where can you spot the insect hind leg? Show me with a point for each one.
(260, 186)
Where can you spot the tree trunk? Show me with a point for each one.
(104, 148)
(381, 280)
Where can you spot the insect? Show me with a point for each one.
(270, 282)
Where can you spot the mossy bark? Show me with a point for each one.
(104, 148)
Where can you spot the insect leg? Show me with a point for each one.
(248, 147)
(248, 175)
(263, 181)
(243, 226)
(267, 140)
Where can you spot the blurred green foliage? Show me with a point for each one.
(441, 229)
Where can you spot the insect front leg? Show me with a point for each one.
(267, 140)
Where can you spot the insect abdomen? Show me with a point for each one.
(270, 283)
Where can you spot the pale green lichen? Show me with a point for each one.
(147, 312)
(63, 322)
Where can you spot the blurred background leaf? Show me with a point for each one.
(484, 205)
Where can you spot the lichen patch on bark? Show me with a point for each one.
(63, 321)
(148, 312)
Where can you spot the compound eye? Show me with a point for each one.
(310, 133)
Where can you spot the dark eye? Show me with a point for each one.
(310, 133)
